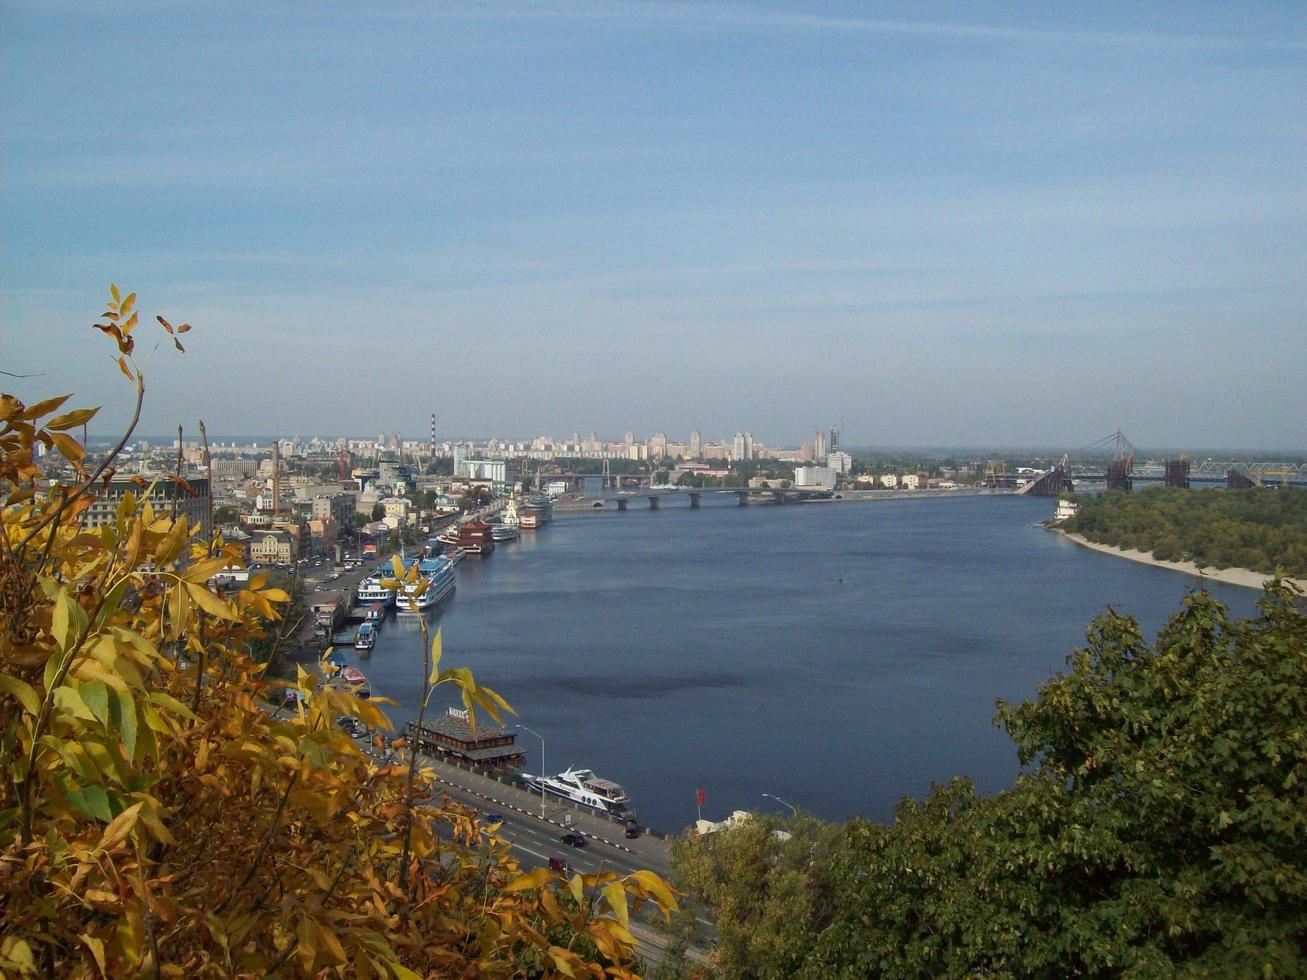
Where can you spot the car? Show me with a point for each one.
(557, 864)
(493, 818)
(352, 727)
(573, 839)
(632, 830)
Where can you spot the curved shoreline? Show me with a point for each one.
(1243, 577)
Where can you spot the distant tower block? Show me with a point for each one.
(433, 435)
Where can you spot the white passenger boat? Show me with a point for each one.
(583, 787)
(438, 573)
(504, 532)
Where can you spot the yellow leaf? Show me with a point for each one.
(68, 447)
(43, 407)
(119, 827)
(577, 887)
(70, 420)
(395, 564)
(97, 951)
(209, 602)
(562, 960)
(171, 546)
(615, 896)
(22, 691)
(532, 879)
(437, 648)
(202, 571)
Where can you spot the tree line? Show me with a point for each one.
(1260, 529)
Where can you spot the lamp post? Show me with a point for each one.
(542, 766)
(793, 809)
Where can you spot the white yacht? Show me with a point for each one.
(583, 787)
(371, 590)
(438, 573)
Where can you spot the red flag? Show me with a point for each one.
(698, 795)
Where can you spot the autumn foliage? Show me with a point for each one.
(158, 817)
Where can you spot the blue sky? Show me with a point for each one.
(942, 224)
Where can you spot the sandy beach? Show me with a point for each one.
(1229, 576)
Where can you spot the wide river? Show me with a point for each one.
(838, 656)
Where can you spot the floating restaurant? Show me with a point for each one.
(451, 739)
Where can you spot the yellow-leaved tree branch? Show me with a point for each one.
(159, 818)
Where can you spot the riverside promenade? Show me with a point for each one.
(491, 795)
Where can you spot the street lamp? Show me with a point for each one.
(542, 766)
(793, 809)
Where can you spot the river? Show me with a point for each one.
(837, 655)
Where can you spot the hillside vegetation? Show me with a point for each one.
(1263, 530)
(159, 819)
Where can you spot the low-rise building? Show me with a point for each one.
(909, 481)
(452, 739)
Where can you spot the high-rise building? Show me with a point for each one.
(748, 445)
(819, 446)
(696, 445)
(737, 446)
(834, 438)
(658, 445)
(629, 439)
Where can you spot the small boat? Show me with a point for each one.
(364, 639)
(375, 614)
(456, 555)
(355, 679)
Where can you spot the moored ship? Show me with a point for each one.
(583, 787)
(438, 573)
(474, 538)
(370, 590)
(537, 511)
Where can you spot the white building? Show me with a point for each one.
(1066, 509)
(396, 510)
(814, 478)
(909, 481)
(495, 470)
(889, 481)
(839, 461)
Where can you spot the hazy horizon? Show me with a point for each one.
(951, 225)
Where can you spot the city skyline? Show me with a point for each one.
(1008, 225)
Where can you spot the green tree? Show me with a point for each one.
(378, 512)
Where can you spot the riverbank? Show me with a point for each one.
(1243, 577)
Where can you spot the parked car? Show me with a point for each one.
(557, 864)
(573, 839)
(352, 727)
(632, 829)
